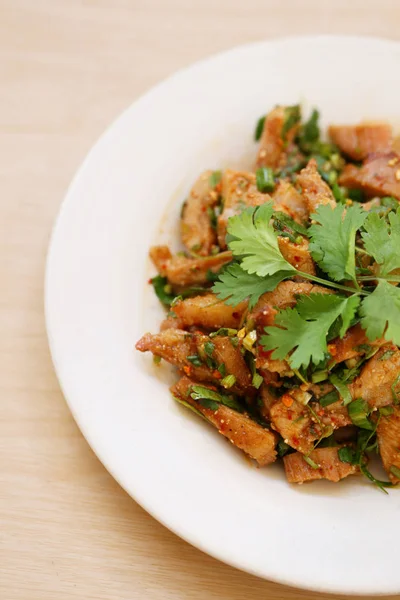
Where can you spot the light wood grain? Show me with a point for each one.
(67, 531)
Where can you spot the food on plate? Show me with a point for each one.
(283, 309)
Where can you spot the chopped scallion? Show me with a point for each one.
(259, 128)
(265, 180)
(257, 380)
(228, 381)
(195, 360)
(330, 398)
(358, 413)
(395, 471)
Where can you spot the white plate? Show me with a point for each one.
(335, 538)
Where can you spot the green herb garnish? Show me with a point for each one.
(228, 381)
(259, 128)
(292, 117)
(341, 388)
(163, 289)
(395, 471)
(265, 180)
(195, 360)
(215, 178)
(358, 413)
(329, 398)
(209, 348)
(205, 395)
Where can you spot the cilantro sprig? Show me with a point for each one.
(300, 333)
(304, 328)
(333, 240)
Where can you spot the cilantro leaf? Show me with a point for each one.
(383, 243)
(348, 313)
(235, 285)
(381, 309)
(254, 239)
(304, 328)
(333, 239)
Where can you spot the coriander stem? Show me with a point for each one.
(337, 286)
(375, 278)
(362, 251)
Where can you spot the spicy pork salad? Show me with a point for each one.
(284, 308)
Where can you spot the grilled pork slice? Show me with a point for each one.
(238, 428)
(197, 232)
(183, 271)
(294, 422)
(378, 382)
(301, 425)
(330, 466)
(388, 433)
(268, 397)
(285, 296)
(354, 344)
(378, 176)
(239, 191)
(186, 351)
(288, 200)
(274, 148)
(209, 313)
(358, 141)
(297, 255)
(315, 190)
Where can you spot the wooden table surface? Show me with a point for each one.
(67, 68)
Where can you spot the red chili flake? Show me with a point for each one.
(235, 315)
(295, 440)
(287, 400)
(150, 280)
(297, 259)
(264, 353)
(217, 374)
(187, 370)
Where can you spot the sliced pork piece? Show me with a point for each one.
(171, 322)
(175, 346)
(330, 466)
(238, 428)
(315, 190)
(378, 382)
(183, 271)
(294, 422)
(388, 433)
(186, 351)
(288, 200)
(274, 146)
(297, 255)
(358, 141)
(230, 355)
(209, 313)
(378, 176)
(239, 191)
(301, 424)
(197, 233)
(285, 296)
(161, 257)
(334, 415)
(354, 344)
